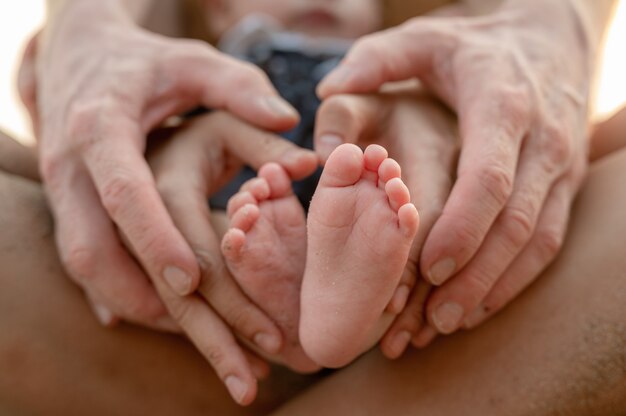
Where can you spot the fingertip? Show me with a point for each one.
(424, 337)
(396, 344)
(243, 392)
(399, 300)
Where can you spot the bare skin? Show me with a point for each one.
(361, 226)
(265, 250)
(562, 344)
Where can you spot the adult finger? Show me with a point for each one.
(215, 342)
(255, 147)
(184, 178)
(199, 73)
(128, 193)
(111, 278)
(537, 255)
(348, 119)
(492, 133)
(543, 159)
(371, 62)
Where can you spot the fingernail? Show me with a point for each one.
(399, 343)
(399, 299)
(447, 317)
(280, 107)
(424, 337)
(237, 388)
(476, 318)
(178, 280)
(442, 271)
(103, 314)
(269, 343)
(327, 144)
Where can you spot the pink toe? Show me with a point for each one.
(374, 156)
(397, 193)
(388, 170)
(258, 187)
(246, 217)
(344, 167)
(277, 180)
(409, 220)
(232, 243)
(237, 201)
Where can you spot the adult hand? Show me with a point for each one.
(188, 167)
(101, 84)
(518, 80)
(422, 136)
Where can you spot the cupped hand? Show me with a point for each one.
(189, 166)
(421, 135)
(519, 84)
(96, 84)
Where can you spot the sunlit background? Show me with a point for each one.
(20, 18)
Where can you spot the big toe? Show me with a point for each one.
(277, 179)
(344, 167)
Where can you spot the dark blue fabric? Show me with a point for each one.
(295, 75)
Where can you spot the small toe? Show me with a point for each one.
(374, 156)
(388, 170)
(409, 220)
(232, 243)
(397, 193)
(238, 201)
(246, 217)
(258, 187)
(343, 168)
(277, 179)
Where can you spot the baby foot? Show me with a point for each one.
(265, 250)
(361, 226)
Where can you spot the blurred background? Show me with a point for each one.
(18, 19)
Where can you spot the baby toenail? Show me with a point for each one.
(442, 271)
(447, 317)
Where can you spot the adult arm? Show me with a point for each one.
(519, 79)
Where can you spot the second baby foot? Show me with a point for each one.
(361, 225)
(265, 250)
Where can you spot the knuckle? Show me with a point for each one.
(466, 233)
(497, 181)
(80, 262)
(118, 191)
(82, 121)
(52, 166)
(518, 225)
(215, 354)
(480, 283)
(181, 312)
(513, 103)
(557, 147)
(549, 242)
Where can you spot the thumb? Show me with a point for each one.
(397, 54)
(349, 119)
